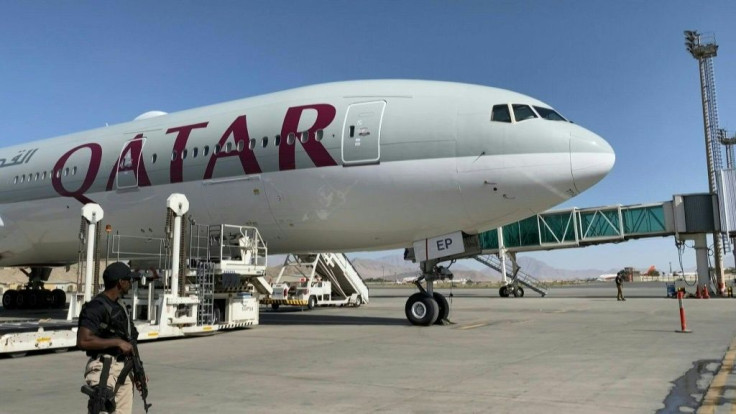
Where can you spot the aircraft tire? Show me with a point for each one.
(21, 300)
(9, 299)
(504, 291)
(46, 299)
(275, 306)
(59, 298)
(519, 292)
(421, 309)
(312, 302)
(32, 299)
(443, 306)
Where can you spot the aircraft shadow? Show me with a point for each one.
(308, 318)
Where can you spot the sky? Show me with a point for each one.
(618, 68)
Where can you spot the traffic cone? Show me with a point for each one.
(706, 292)
(698, 294)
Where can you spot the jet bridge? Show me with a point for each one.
(687, 217)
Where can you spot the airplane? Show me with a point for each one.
(337, 167)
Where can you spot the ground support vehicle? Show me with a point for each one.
(323, 279)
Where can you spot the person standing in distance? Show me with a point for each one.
(619, 285)
(103, 322)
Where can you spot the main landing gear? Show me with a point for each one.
(428, 307)
(34, 296)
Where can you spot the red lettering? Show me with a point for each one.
(130, 160)
(94, 166)
(316, 151)
(177, 164)
(239, 131)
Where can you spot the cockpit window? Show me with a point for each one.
(550, 114)
(523, 112)
(500, 113)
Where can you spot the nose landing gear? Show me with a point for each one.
(428, 307)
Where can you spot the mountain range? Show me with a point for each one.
(396, 268)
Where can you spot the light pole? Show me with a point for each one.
(704, 52)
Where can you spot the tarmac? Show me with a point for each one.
(578, 350)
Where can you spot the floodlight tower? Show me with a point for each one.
(704, 49)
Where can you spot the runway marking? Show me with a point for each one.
(490, 323)
(717, 386)
(477, 325)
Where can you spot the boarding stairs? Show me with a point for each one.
(346, 281)
(523, 278)
(302, 271)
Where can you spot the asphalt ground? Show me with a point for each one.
(578, 350)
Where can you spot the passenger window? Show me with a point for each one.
(173, 155)
(264, 142)
(154, 157)
(195, 151)
(277, 140)
(523, 112)
(206, 150)
(229, 147)
(241, 145)
(217, 149)
(320, 134)
(500, 113)
(184, 154)
(251, 144)
(305, 137)
(290, 138)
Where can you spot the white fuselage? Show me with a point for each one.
(360, 165)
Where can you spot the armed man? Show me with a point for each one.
(110, 338)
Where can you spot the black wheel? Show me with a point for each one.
(504, 291)
(275, 306)
(312, 302)
(59, 298)
(32, 299)
(519, 292)
(443, 308)
(358, 302)
(10, 299)
(21, 299)
(421, 309)
(45, 299)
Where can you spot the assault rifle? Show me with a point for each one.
(133, 362)
(101, 397)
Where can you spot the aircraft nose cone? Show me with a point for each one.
(591, 159)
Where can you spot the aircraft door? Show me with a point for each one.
(361, 133)
(130, 165)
